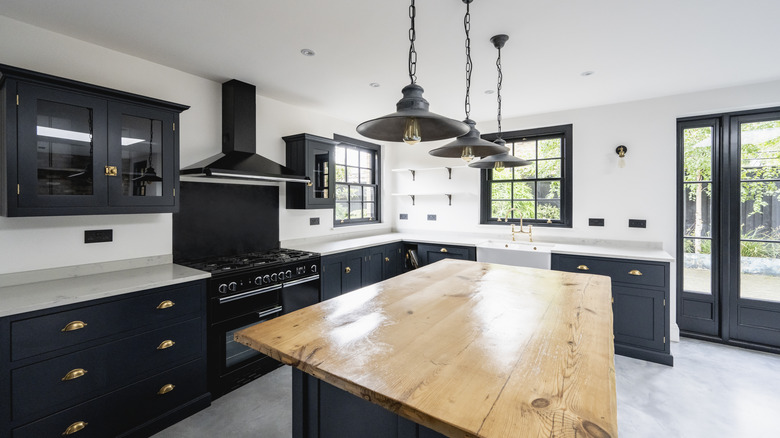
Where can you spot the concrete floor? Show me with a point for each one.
(713, 391)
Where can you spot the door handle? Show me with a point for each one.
(347, 270)
(636, 272)
(583, 268)
(443, 250)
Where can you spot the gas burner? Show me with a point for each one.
(250, 260)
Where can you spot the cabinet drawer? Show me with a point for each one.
(433, 253)
(41, 334)
(39, 388)
(621, 271)
(128, 407)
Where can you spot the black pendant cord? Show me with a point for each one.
(412, 51)
(467, 27)
(498, 90)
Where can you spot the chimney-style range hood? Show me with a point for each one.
(239, 159)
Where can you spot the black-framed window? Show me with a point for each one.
(540, 193)
(358, 177)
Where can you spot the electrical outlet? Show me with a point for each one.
(97, 236)
(431, 217)
(637, 223)
(596, 222)
(314, 221)
(404, 216)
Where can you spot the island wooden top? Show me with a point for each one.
(468, 349)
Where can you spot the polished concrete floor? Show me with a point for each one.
(713, 391)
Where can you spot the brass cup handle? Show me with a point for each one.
(74, 325)
(347, 270)
(75, 427)
(443, 250)
(74, 374)
(387, 259)
(583, 268)
(166, 389)
(166, 344)
(636, 272)
(165, 304)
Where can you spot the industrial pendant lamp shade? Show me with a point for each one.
(503, 160)
(412, 122)
(470, 144)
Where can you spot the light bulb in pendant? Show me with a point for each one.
(412, 131)
(467, 155)
(499, 166)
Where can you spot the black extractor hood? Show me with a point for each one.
(239, 159)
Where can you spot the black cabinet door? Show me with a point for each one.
(392, 261)
(433, 253)
(141, 145)
(312, 156)
(352, 272)
(341, 273)
(61, 147)
(373, 265)
(638, 316)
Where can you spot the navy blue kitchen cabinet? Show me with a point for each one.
(430, 253)
(640, 302)
(70, 148)
(311, 156)
(128, 365)
(346, 271)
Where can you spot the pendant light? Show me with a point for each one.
(469, 145)
(412, 122)
(500, 161)
(149, 175)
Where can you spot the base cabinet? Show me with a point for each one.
(346, 271)
(433, 253)
(640, 297)
(131, 378)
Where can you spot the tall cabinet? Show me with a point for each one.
(70, 148)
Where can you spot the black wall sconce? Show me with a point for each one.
(621, 151)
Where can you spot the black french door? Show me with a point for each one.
(729, 227)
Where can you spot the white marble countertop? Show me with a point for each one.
(30, 296)
(650, 251)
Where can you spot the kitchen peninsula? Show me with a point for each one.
(457, 348)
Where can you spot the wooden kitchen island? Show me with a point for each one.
(458, 348)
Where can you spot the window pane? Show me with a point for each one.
(501, 191)
(342, 192)
(525, 209)
(368, 193)
(355, 193)
(759, 208)
(550, 148)
(356, 210)
(366, 159)
(353, 157)
(525, 149)
(366, 176)
(697, 265)
(760, 271)
(504, 174)
(697, 209)
(698, 154)
(352, 175)
(499, 209)
(549, 168)
(548, 190)
(339, 155)
(369, 210)
(523, 190)
(549, 210)
(526, 172)
(341, 174)
(759, 143)
(342, 210)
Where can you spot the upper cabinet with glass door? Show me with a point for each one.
(312, 156)
(70, 148)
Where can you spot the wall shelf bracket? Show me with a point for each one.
(413, 175)
(449, 197)
(412, 196)
(449, 172)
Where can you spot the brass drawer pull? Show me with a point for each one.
(166, 344)
(583, 268)
(636, 272)
(75, 427)
(387, 259)
(74, 374)
(443, 250)
(74, 325)
(166, 389)
(166, 304)
(347, 270)
(111, 171)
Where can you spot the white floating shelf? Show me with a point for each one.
(425, 169)
(414, 195)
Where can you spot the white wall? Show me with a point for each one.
(49, 242)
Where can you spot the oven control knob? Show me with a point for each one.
(300, 270)
(281, 275)
(288, 274)
(232, 286)
(313, 268)
(266, 279)
(273, 276)
(222, 288)
(259, 280)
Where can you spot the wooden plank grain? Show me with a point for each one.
(468, 349)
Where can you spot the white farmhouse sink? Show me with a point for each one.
(529, 254)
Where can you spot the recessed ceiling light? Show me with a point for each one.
(374, 84)
(587, 73)
(489, 91)
(307, 52)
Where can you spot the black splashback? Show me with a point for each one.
(216, 220)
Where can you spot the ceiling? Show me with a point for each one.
(636, 49)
